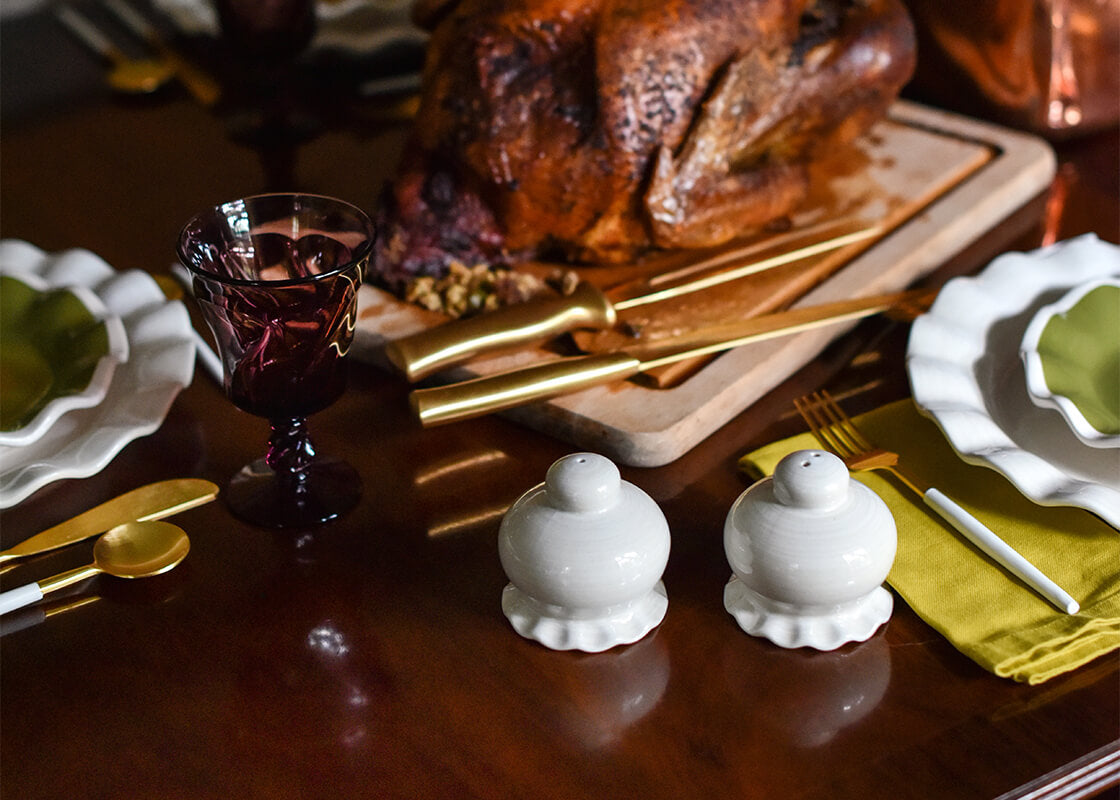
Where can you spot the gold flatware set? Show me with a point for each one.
(151, 502)
(490, 393)
(129, 550)
(126, 74)
(132, 75)
(133, 542)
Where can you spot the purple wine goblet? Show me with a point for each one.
(276, 277)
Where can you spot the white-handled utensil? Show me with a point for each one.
(204, 88)
(836, 431)
(129, 75)
(175, 289)
(131, 550)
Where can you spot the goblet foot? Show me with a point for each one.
(327, 489)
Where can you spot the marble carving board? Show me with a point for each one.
(939, 181)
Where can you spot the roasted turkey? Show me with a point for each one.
(594, 130)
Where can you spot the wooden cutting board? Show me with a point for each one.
(938, 180)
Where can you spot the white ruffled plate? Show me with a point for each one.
(93, 392)
(965, 374)
(161, 361)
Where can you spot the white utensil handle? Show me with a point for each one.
(131, 18)
(1003, 553)
(18, 598)
(210, 360)
(84, 30)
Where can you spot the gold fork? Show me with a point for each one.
(838, 433)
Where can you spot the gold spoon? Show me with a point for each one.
(129, 75)
(131, 550)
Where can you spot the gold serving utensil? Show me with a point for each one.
(429, 351)
(201, 85)
(838, 433)
(131, 550)
(128, 75)
(491, 393)
(151, 502)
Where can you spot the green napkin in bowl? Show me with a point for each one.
(987, 614)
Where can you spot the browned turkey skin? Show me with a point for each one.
(593, 130)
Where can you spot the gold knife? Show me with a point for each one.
(484, 395)
(154, 501)
(427, 352)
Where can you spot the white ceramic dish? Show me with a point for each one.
(1085, 349)
(94, 391)
(358, 27)
(965, 374)
(160, 364)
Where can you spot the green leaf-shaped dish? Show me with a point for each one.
(58, 350)
(1071, 353)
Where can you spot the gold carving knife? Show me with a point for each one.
(484, 395)
(427, 352)
(154, 501)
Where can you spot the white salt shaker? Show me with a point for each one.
(809, 548)
(584, 552)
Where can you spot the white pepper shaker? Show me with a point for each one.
(584, 552)
(809, 548)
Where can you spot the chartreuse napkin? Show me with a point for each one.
(985, 612)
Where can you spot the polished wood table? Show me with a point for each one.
(370, 657)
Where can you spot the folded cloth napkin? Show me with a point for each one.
(985, 612)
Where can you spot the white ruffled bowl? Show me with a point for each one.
(1071, 356)
(93, 392)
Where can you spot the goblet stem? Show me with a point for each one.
(290, 452)
(292, 486)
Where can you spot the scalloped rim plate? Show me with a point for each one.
(1033, 359)
(94, 391)
(965, 375)
(160, 365)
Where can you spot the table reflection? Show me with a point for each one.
(600, 696)
(808, 698)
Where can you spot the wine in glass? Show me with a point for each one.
(276, 277)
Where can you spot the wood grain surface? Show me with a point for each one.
(370, 658)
